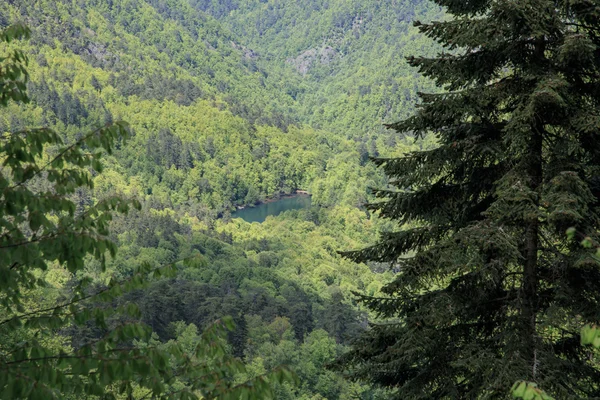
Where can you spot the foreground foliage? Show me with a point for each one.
(494, 291)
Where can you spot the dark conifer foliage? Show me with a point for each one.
(494, 292)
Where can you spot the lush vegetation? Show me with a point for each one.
(349, 55)
(215, 122)
(43, 225)
(212, 127)
(119, 246)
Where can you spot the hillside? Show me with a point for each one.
(348, 54)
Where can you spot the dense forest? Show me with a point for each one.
(445, 258)
(218, 119)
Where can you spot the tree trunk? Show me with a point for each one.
(530, 274)
(532, 230)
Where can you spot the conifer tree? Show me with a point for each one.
(490, 289)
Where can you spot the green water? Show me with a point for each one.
(262, 211)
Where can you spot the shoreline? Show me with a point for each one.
(295, 193)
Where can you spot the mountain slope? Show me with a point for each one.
(161, 51)
(349, 54)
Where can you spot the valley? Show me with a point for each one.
(229, 104)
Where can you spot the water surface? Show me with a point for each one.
(260, 212)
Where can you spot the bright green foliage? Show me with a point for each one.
(220, 118)
(193, 155)
(590, 334)
(216, 123)
(529, 391)
(42, 227)
(489, 290)
(201, 364)
(14, 76)
(281, 281)
(345, 53)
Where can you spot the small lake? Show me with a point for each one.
(260, 212)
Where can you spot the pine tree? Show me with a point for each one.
(494, 290)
